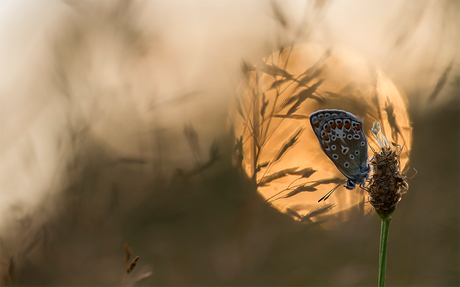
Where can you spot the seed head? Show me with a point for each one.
(387, 184)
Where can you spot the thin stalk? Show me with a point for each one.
(383, 248)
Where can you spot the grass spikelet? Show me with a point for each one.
(275, 71)
(264, 105)
(319, 211)
(132, 265)
(304, 173)
(288, 144)
(300, 189)
(276, 175)
(441, 82)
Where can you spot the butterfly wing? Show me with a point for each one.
(342, 139)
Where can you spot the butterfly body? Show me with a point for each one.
(342, 139)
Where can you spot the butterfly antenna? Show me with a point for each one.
(330, 192)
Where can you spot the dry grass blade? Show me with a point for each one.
(238, 153)
(262, 165)
(239, 109)
(307, 78)
(7, 275)
(304, 95)
(132, 265)
(294, 117)
(288, 144)
(192, 137)
(293, 213)
(294, 108)
(279, 15)
(277, 83)
(11, 268)
(328, 181)
(308, 93)
(34, 242)
(275, 71)
(142, 277)
(246, 67)
(276, 175)
(326, 55)
(320, 211)
(441, 82)
(289, 101)
(199, 169)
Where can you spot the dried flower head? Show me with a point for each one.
(387, 184)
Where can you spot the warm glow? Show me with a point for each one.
(333, 78)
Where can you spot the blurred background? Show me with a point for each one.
(115, 130)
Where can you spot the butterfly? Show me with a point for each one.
(341, 137)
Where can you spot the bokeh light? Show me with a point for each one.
(277, 147)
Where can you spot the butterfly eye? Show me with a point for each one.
(333, 138)
(333, 147)
(356, 136)
(330, 122)
(363, 143)
(320, 116)
(357, 152)
(352, 156)
(314, 119)
(334, 156)
(326, 115)
(349, 137)
(346, 164)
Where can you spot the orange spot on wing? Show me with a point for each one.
(316, 124)
(326, 137)
(328, 129)
(324, 144)
(339, 125)
(333, 125)
(358, 127)
(347, 125)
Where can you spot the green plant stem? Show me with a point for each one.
(383, 248)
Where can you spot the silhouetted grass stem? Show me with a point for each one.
(385, 228)
(387, 185)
